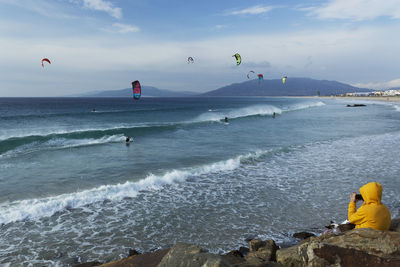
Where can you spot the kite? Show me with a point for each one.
(284, 79)
(238, 59)
(190, 60)
(47, 60)
(137, 90)
(248, 74)
(260, 77)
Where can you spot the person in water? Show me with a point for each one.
(273, 115)
(128, 139)
(372, 213)
(226, 119)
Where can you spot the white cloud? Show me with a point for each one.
(124, 28)
(357, 9)
(379, 85)
(360, 54)
(254, 10)
(218, 27)
(101, 5)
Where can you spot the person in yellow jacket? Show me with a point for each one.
(372, 213)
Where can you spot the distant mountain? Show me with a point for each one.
(147, 91)
(292, 87)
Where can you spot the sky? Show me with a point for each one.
(96, 45)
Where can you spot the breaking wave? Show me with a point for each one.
(31, 209)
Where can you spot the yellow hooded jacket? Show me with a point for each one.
(372, 213)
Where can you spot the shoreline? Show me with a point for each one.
(369, 98)
(343, 246)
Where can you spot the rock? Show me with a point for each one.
(186, 255)
(290, 256)
(89, 264)
(395, 225)
(356, 105)
(150, 259)
(133, 252)
(234, 257)
(303, 235)
(244, 250)
(256, 262)
(359, 247)
(256, 244)
(261, 252)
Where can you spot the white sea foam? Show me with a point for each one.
(304, 106)
(214, 115)
(239, 113)
(37, 208)
(62, 143)
(256, 110)
(47, 132)
(396, 107)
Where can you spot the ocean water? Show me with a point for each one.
(72, 191)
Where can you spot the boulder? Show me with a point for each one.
(187, 255)
(149, 259)
(234, 257)
(133, 252)
(359, 247)
(261, 252)
(244, 250)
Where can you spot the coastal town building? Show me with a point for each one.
(391, 92)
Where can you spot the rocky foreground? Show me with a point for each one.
(358, 247)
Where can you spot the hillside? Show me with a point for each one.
(292, 87)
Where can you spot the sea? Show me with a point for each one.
(72, 190)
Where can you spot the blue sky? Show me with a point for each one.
(105, 44)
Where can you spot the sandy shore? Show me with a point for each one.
(371, 98)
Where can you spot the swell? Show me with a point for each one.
(255, 110)
(12, 143)
(87, 136)
(61, 143)
(32, 209)
(88, 113)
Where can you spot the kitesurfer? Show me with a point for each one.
(226, 119)
(273, 115)
(372, 213)
(128, 139)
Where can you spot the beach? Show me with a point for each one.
(369, 98)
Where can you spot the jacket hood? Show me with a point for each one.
(371, 193)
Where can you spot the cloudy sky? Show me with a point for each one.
(106, 44)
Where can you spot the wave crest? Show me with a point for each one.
(31, 209)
